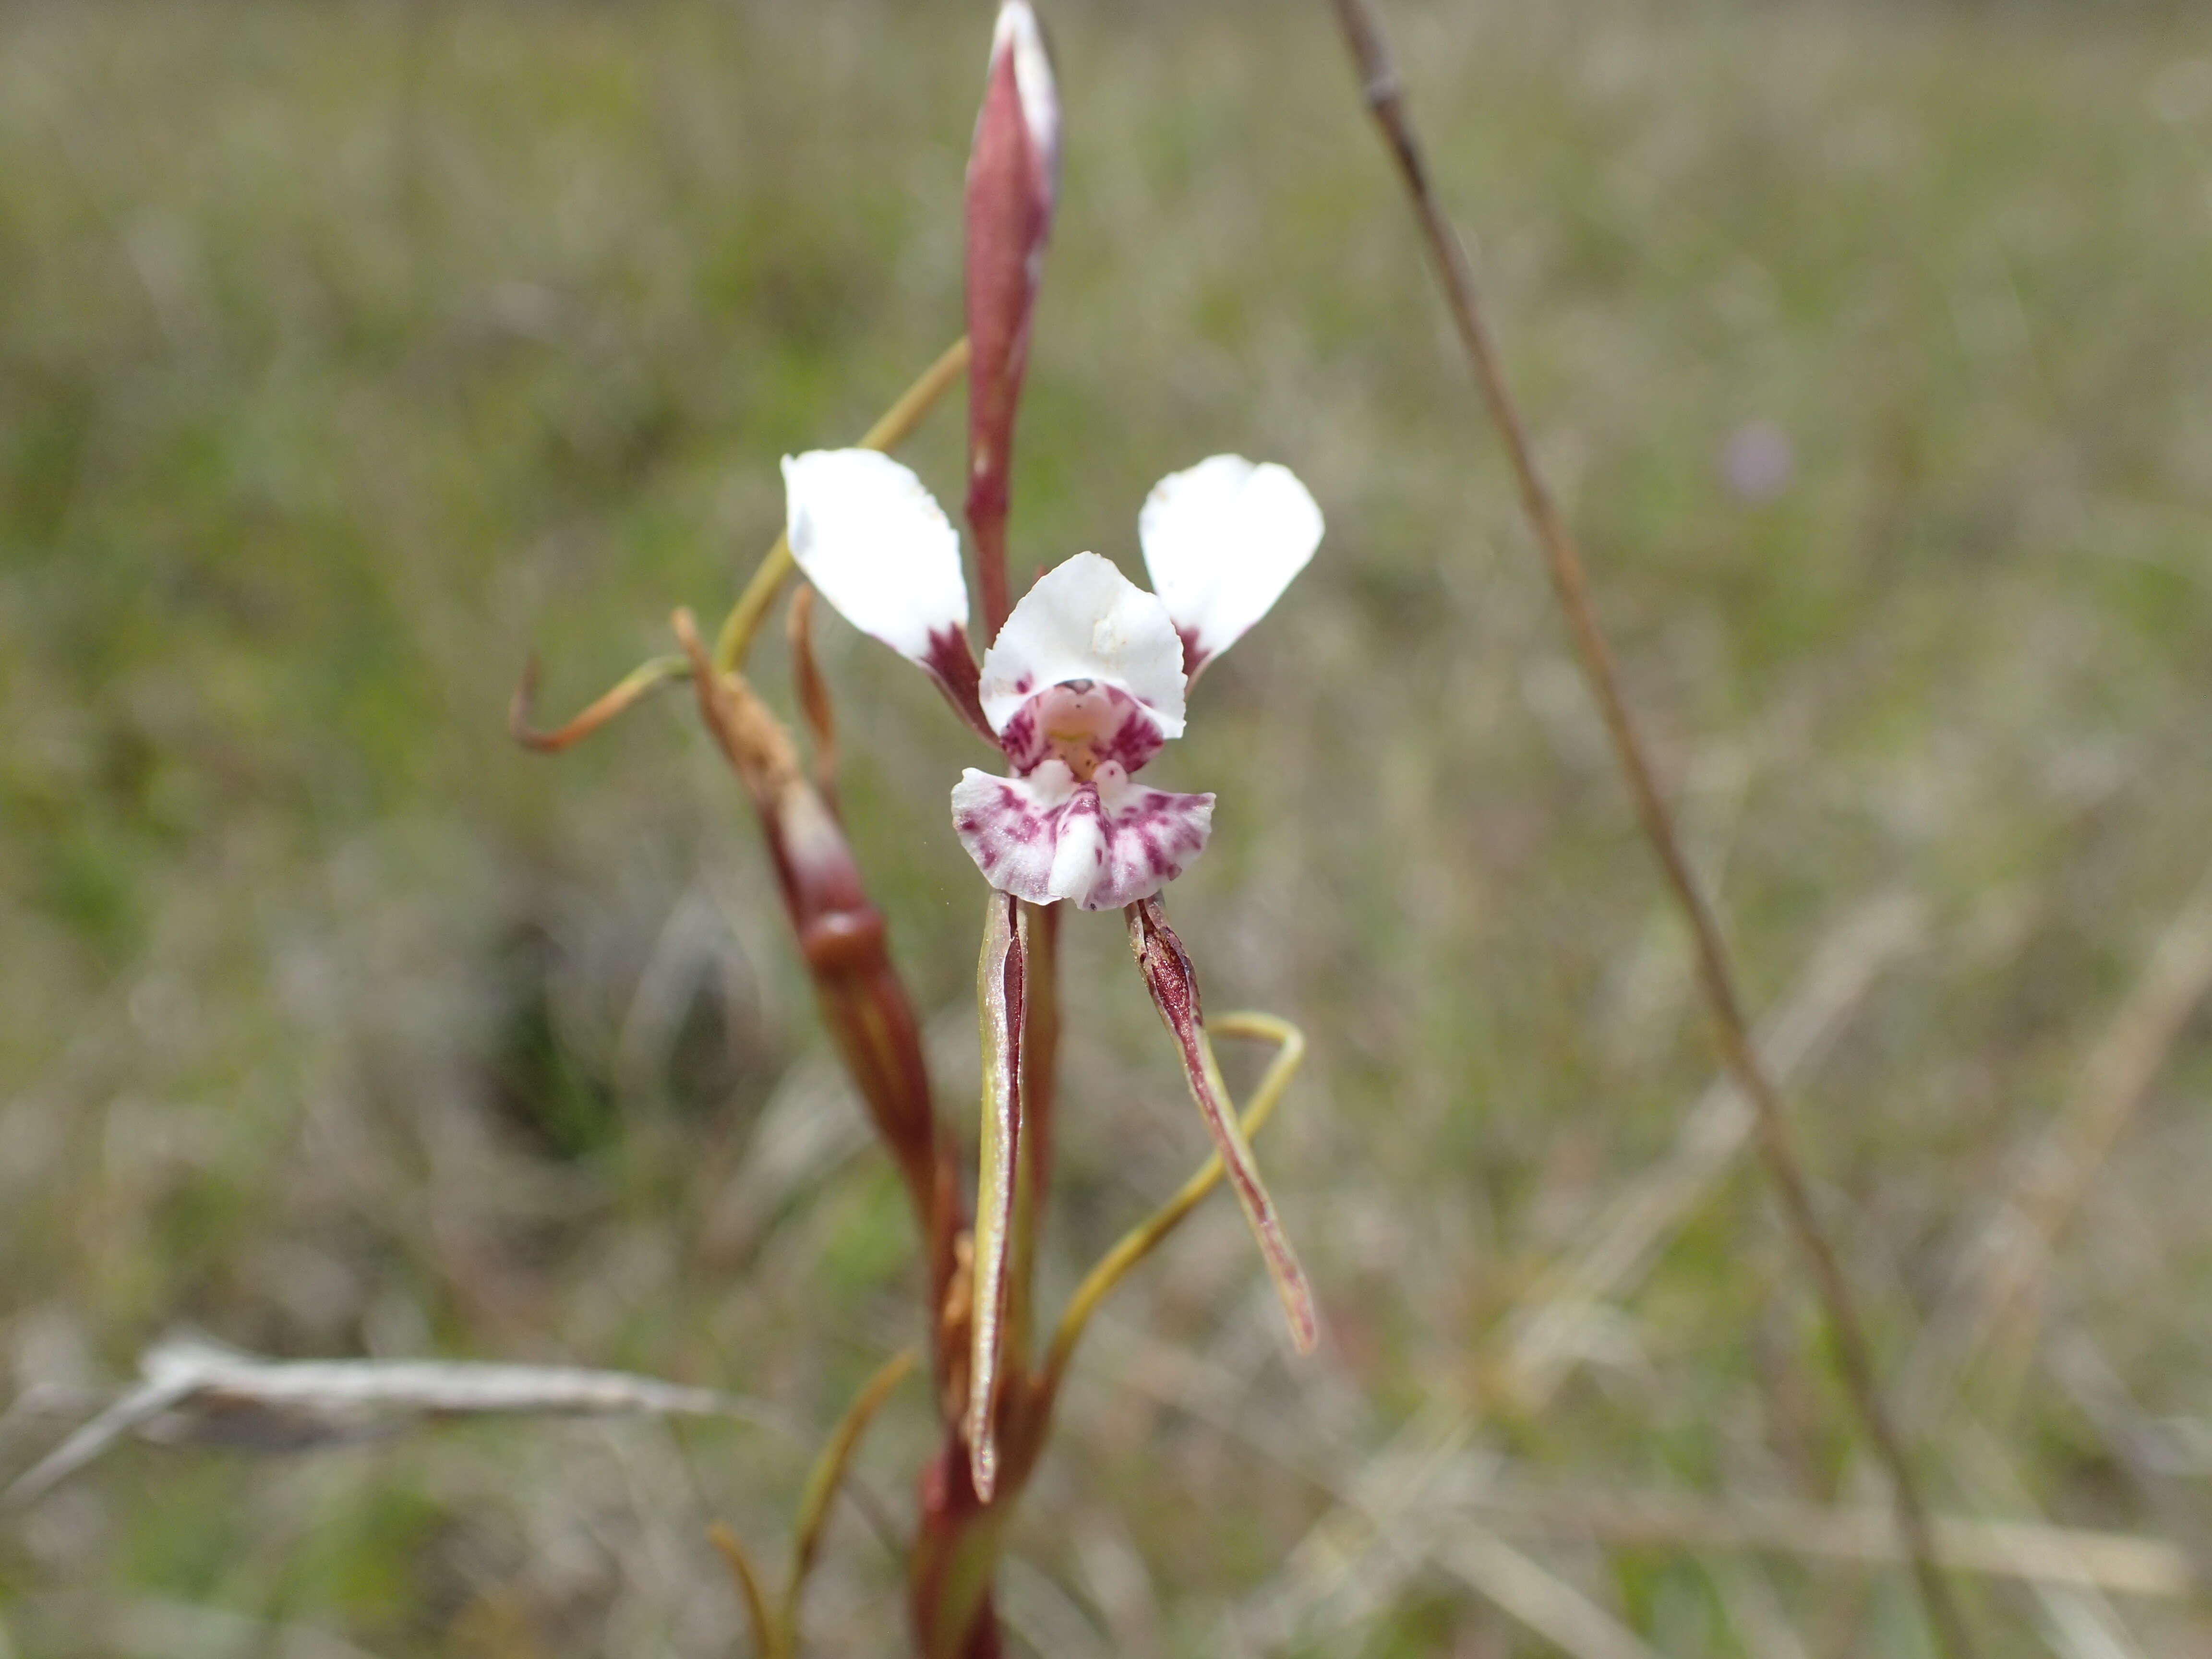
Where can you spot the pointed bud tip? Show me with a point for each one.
(1019, 34)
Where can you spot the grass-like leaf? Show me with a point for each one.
(1140, 1241)
(1001, 983)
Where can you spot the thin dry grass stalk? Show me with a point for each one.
(2123, 1563)
(743, 621)
(626, 694)
(2141, 1447)
(1540, 1600)
(1635, 1227)
(1997, 1302)
(750, 1594)
(1380, 82)
(827, 1476)
(2078, 1619)
(1397, 1494)
(1140, 1241)
(896, 425)
(1539, 1354)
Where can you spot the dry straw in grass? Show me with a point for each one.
(1717, 977)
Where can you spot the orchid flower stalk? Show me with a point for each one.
(1084, 682)
(1081, 683)
(1082, 687)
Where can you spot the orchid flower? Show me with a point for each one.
(1083, 684)
(1086, 680)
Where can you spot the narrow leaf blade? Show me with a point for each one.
(1001, 985)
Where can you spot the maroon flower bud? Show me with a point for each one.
(1013, 180)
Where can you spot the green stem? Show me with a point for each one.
(897, 424)
(1141, 1241)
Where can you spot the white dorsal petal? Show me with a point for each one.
(1086, 621)
(876, 544)
(1221, 541)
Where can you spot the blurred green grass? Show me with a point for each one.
(349, 352)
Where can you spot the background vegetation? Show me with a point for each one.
(349, 351)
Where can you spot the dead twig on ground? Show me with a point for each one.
(196, 1390)
(1513, 1582)
(1715, 972)
(1539, 1354)
(1995, 1299)
(1636, 1225)
(2121, 1563)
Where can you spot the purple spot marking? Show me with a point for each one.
(950, 662)
(1138, 844)
(1136, 740)
(1020, 739)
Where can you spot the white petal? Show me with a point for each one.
(1086, 621)
(1221, 541)
(877, 545)
(1106, 844)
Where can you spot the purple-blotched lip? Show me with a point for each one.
(1103, 844)
(1135, 737)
